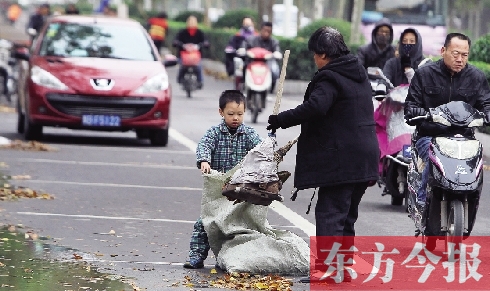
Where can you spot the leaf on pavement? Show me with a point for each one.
(28, 146)
(77, 257)
(243, 281)
(7, 109)
(20, 177)
(486, 167)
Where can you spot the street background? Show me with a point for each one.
(129, 208)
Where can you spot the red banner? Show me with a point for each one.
(399, 263)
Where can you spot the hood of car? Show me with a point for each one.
(100, 76)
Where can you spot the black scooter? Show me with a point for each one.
(455, 179)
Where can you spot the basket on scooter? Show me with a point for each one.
(190, 58)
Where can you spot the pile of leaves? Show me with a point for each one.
(241, 281)
(9, 192)
(28, 146)
(6, 109)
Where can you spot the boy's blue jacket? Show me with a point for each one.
(222, 150)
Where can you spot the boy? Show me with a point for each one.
(221, 148)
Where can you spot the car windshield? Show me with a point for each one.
(96, 40)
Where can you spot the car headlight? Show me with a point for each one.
(44, 78)
(154, 84)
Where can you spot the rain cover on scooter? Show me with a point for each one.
(392, 130)
(239, 234)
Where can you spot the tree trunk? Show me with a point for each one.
(340, 9)
(207, 5)
(268, 9)
(478, 18)
(355, 32)
(318, 9)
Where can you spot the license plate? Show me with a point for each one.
(101, 120)
(406, 151)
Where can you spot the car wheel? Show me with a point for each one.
(159, 137)
(142, 133)
(20, 119)
(32, 131)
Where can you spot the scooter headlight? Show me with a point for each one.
(458, 149)
(154, 84)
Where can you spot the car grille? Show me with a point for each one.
(78, 105)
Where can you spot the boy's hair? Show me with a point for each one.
(231, 96)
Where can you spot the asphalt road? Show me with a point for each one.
(150, 196)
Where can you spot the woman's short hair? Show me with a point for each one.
(329, 41)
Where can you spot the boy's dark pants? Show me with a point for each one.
(199, 245)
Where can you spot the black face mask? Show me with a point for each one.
(406, 49)
(382, 39)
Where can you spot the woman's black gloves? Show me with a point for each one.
(273, 123)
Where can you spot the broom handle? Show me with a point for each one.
(280, 85)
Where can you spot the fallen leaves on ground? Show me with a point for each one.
(243, 281)
(7, 192)
(217, 74)
(486, 168)
(20, 177)
(7, 109)
(28, 146)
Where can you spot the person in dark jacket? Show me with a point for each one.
(190, 34)
(236, 42)
(37, 20)
(337, 148)
(380, 49)
(267, 41)
(400, 69)
(448, 79)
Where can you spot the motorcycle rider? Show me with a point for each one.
(399, 70)
(190, 34)
(448, 79)
(267, 41)
(236, 41)
(380, 50)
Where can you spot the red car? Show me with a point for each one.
(97, 73)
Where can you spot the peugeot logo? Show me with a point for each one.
(102, 84)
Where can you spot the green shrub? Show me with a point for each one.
(483, 66)
(341, 25)
(233, 19)
(182, 16)
(480, 49)
(300, 65)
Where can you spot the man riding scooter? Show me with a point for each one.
(190, 35)
(438, 83)
(267, 41)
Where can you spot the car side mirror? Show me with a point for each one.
(170, 61)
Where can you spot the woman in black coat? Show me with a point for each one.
(337, 149)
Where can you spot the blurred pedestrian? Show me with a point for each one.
(158, 29)
(38, 19)
(380, 49)
(72, 9)
(13, 13)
